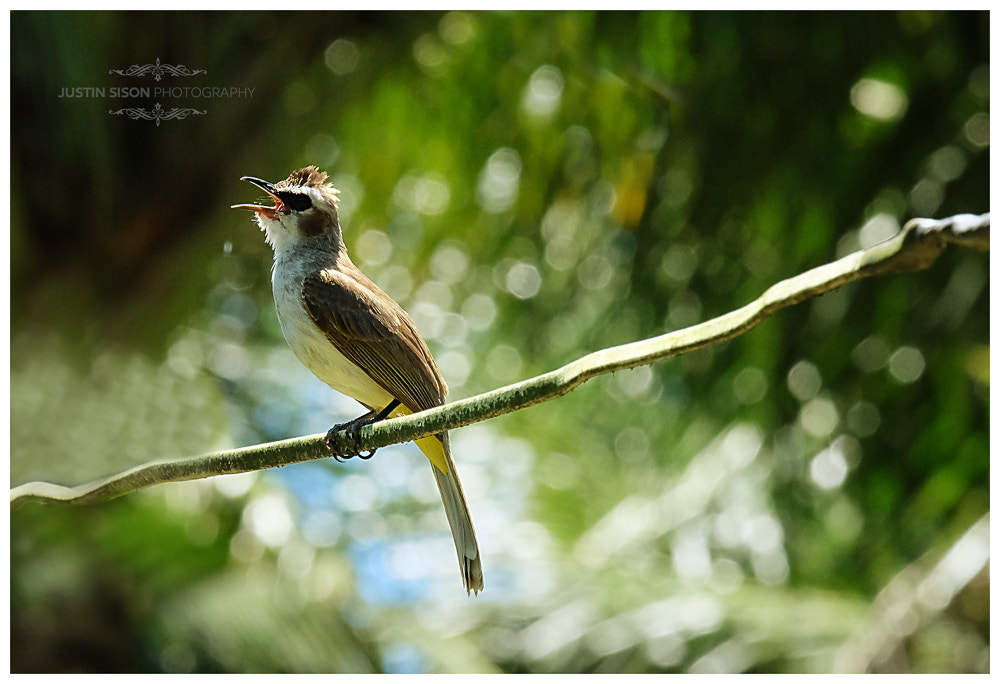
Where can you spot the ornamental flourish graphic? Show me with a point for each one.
(158, 113)
(158, 70)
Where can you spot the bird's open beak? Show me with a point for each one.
(269, 212)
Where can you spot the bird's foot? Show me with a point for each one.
(353, 429)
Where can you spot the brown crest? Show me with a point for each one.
(310, 177)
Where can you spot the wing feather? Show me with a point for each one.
(373, 332)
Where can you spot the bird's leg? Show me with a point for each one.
(353, 427)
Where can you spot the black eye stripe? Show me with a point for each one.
(295, 201)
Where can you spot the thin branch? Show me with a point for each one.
(913, 248)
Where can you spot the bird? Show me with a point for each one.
(353, 336)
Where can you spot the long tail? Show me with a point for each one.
(438, 452)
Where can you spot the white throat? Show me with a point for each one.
(276, 235)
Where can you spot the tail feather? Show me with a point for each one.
(438, 451)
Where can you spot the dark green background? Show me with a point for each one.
(531, 187)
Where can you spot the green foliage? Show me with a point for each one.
(531, 187)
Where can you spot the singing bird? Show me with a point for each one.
(352, 335)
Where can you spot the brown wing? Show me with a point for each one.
(373, 331)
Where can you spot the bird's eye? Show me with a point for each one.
(295, 201)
